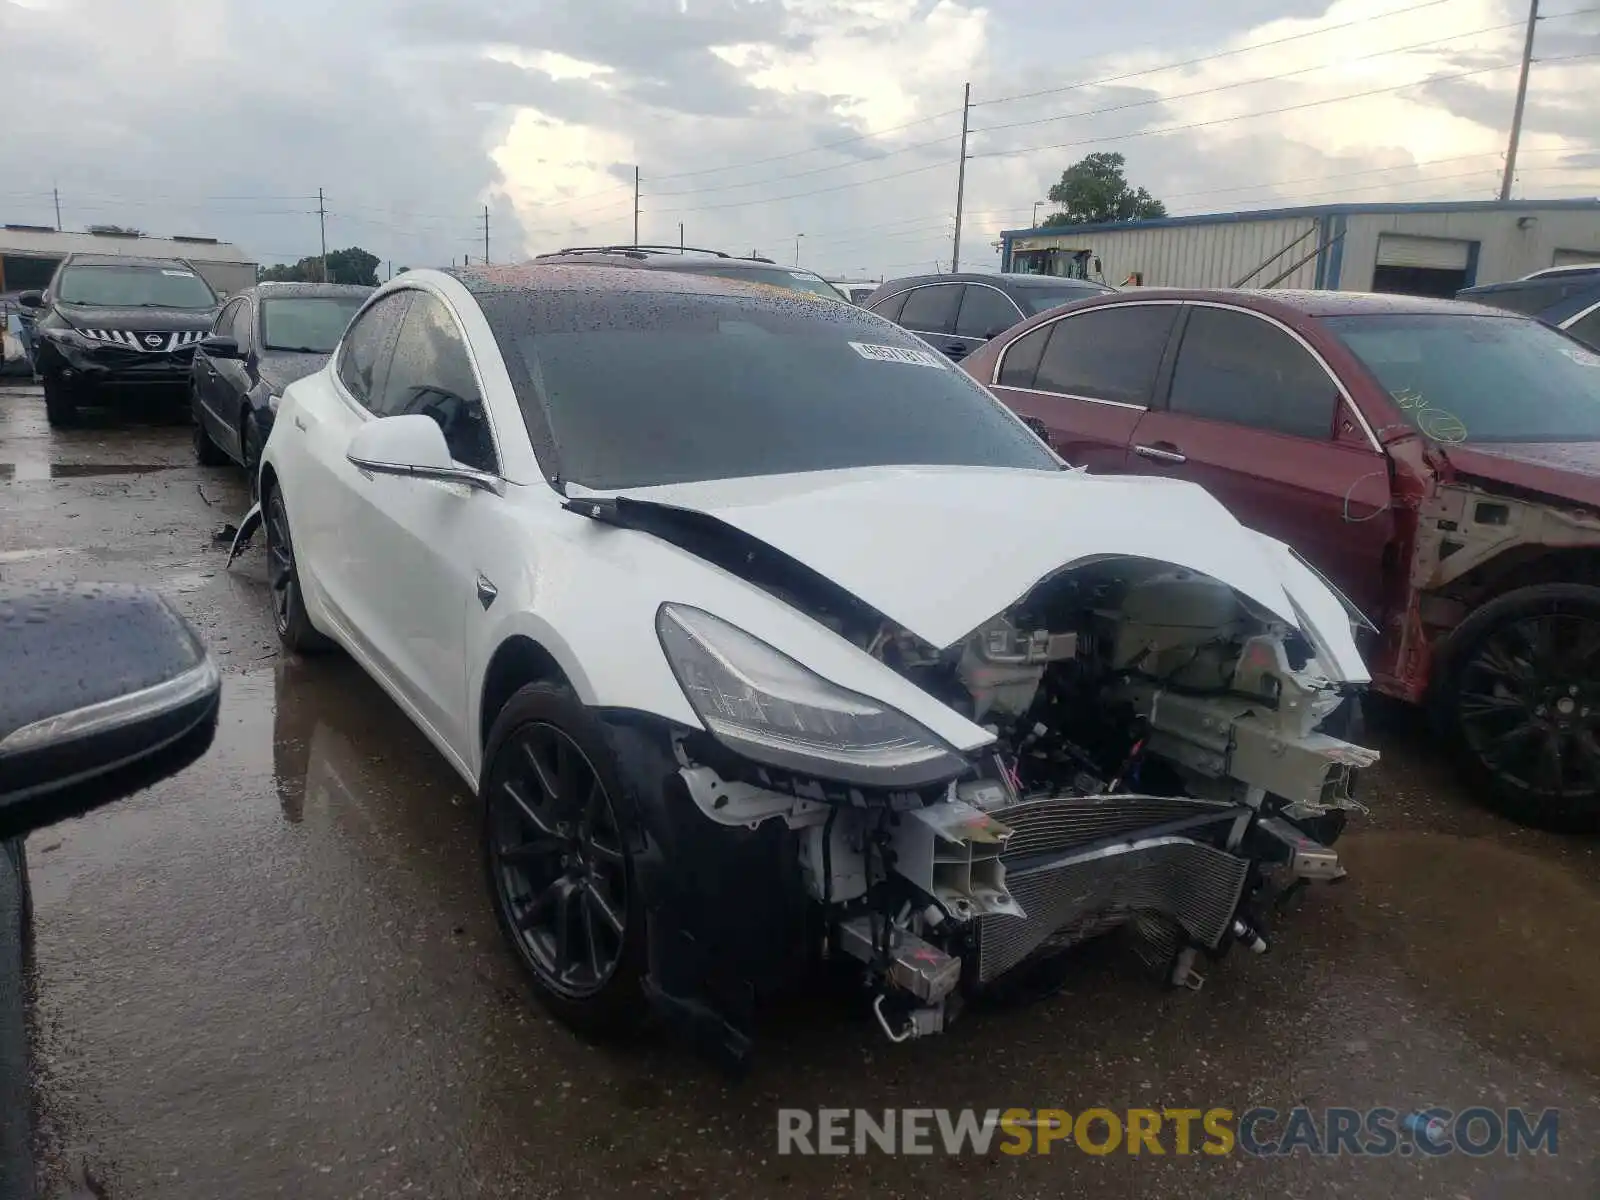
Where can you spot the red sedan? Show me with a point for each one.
(1438, 461)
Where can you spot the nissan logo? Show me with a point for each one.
(152, 340)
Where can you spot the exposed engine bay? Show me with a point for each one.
(1156, 770)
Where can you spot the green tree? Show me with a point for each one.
(352, 265)
(1094, 191)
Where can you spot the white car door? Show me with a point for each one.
(319, 488)
(421, 540)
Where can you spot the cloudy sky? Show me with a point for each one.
(821, 126)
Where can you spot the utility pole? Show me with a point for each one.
(797, 238)
(680, 237)
(391, 268)
(322, 225)
(635, 205)
(485, 235)
(1522, 96)
(961, 179)
(57, 192)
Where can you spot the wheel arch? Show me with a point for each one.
(517, 661)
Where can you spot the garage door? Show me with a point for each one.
(1438, 254)
(1575, 258)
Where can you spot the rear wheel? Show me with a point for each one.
(289, 616)
(60, 402)
(1521, 699)
(556, 854)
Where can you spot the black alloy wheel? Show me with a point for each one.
(558, 863)
(1525, 701)
(206, 451)
(289, 615)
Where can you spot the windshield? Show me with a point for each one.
(119, 285)
(309, 324)
(1040, 299)
(794, 281)
(1469, 378)
(651, 389)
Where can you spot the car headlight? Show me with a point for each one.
(67, 336)
(760, 702)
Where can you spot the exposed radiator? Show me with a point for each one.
(1072, 894)
(1046, 826)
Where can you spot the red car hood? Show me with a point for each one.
(1567, 471)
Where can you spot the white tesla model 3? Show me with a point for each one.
(762, 632)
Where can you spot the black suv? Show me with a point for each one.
(696, 261)
(958, 313)
(109, 320)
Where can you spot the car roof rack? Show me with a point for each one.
(641, 249)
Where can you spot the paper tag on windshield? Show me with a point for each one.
(900, 354)
(179, 274)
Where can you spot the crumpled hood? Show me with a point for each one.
(1567, 471)
(940, 550)
(280, 368)
(99, 316)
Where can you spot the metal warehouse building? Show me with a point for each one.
(29, 255)
(1421, 249)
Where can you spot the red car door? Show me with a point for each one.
(1251, 413)
(1085, 378)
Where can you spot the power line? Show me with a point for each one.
(1268, 112)
(860, 137)
(1224, 87)
(1190, 62)
(799, 195)
(860, 162)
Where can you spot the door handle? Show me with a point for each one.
(299, 424)
(1161, 455)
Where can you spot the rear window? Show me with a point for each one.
(1529, 299)
(1041, 299)
(123, 285)
(792, 281)
(651, 388)
(1465, 378)
(308, 324)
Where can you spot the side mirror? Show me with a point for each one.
(31, 299)
(412, 444)
(218, 346)
(111, 691)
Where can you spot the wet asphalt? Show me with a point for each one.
(278, 974)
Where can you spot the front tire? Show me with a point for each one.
(1520, 699)
(60, 402)
(558, 864)
(289, 616)
(206, 451)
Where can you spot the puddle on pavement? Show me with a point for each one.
(46, 470)
(1486, 932)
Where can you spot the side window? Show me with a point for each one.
(932, 309)
(1109, 353)
(432, 374)
(366, 345)
(1020, 360)
(1241, 369)
(223, 325)
(891, 307)
(1587, 328)
(240, 327)
(985, 311)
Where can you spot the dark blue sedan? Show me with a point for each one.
(264, 339)
(1566, 297)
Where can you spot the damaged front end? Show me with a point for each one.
(1155, 770)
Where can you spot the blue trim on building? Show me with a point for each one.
(1324, 232)
(1316, 210)
(1472, 262)
(1005, 253)
(1337, 224)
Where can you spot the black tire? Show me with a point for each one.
(60, 402)
(289, 616)
(251, 444)
(556, 852)
(206, 451)
(1519, 700)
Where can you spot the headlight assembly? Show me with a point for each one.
(67, 336)
(764, 705)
